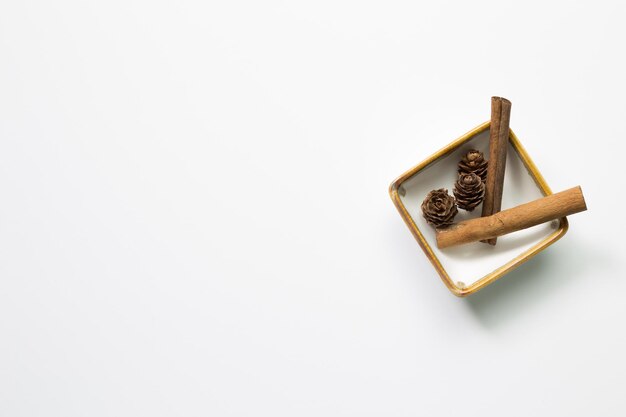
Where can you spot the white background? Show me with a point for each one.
(194, 217)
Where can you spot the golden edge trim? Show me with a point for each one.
(498, 273)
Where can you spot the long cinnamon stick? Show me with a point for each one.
(498, 143)
(517, 218)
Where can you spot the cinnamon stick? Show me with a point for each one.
(498, 144)
(517, 218)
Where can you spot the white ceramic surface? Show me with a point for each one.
(468, 263)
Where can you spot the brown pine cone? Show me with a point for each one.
(474, 161)
(469, 191)
(439, 208)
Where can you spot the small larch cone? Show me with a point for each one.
(439, 208)
(475, 162)
(469, 191)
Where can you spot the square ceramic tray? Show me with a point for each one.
(468, 268)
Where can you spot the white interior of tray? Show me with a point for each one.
(468, 263)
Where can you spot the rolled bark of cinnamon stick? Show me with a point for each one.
(498, 144)
(517, 218)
